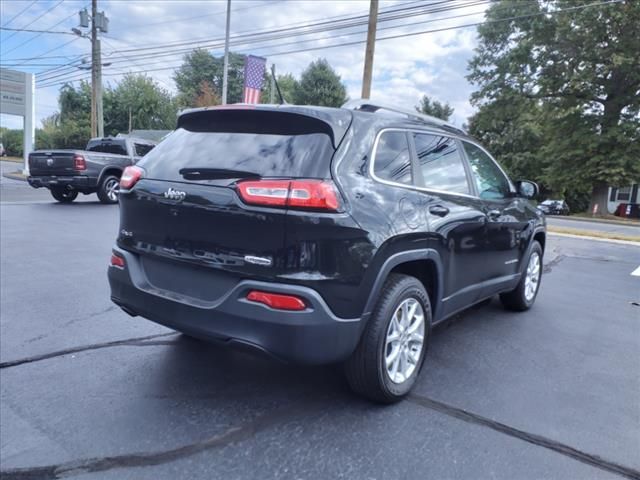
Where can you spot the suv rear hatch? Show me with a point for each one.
(210, 206)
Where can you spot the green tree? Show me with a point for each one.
(435, 108)
(580, 67)
(12, 141)
(73, 123)
(287, 84)
(140, 103)
(320, 85)
(200, 68)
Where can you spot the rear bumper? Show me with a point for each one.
(78, 182)
(312, 336)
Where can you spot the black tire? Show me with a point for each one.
(516, 299)
(107, 190)
(366, 369)
(64, 196)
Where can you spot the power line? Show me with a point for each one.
(36, 36)
(20, 13)
(62, 32)
(288, 32)
(37, 18)
(410, 34)
(26, 59)
(296, 42)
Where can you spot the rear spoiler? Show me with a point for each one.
(268, 119)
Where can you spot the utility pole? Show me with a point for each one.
(226, 55)
(94, 69)
(99, 22)
(371, 45)
(272, 98)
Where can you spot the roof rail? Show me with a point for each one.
(366, 105)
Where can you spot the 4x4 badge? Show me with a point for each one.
(173, 194)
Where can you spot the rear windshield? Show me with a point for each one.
(118, 148)
(266, 155)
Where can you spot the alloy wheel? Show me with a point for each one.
(404, 341)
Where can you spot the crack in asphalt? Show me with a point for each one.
(548, 267)
(130, 342)
(146, 459)
(539, 440)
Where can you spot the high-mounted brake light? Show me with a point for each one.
(311, 194)
(117, 261)
(130, 177)
(79, 163)
(276, 300)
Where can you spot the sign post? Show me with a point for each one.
(17, 91)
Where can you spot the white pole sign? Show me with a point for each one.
(17, 92)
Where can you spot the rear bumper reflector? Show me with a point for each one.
(117, 261)
(276, 300)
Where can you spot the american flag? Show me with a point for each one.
(253, 78)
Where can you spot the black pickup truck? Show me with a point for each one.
(94, 170)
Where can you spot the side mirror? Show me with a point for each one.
(527, 189)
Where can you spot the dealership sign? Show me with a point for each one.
(17, 98)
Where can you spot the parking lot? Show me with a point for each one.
(89, 392)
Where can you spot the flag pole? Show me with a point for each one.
(226, 56)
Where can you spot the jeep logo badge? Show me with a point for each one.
(173, 194)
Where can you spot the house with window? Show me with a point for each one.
(627, 195)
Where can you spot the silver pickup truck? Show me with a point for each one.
(94, 170)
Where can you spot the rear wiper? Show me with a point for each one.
(214, 173)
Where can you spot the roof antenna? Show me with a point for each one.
(275, 81)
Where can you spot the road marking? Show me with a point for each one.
(636, 272)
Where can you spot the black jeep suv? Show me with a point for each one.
(322, 235)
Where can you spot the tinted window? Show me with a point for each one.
(491, 182)
(142, 148)
(440, 163)
(119, 148)
(265, 155)
(393, 161)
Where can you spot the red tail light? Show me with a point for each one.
(130, 177)
(79, 162)
(312, 194)
(277, 301)
(117, 261)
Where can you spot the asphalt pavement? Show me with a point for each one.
(88, 392)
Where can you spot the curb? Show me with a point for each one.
(595, 239)
(17, 175)
(596, 220)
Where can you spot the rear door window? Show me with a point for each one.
(266, 155)
(440, 163)
(392, 161)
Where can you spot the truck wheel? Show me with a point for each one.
(522, 297)
(108, 189)
(385, 365)
(63, 195)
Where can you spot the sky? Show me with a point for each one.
(432, 63)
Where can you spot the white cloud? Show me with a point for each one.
(404, 68)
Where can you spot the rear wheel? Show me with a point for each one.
(522, 297)
(63, 195)
(388, 359)
(108, 189)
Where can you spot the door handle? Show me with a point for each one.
(494, 214)
(438, 210)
